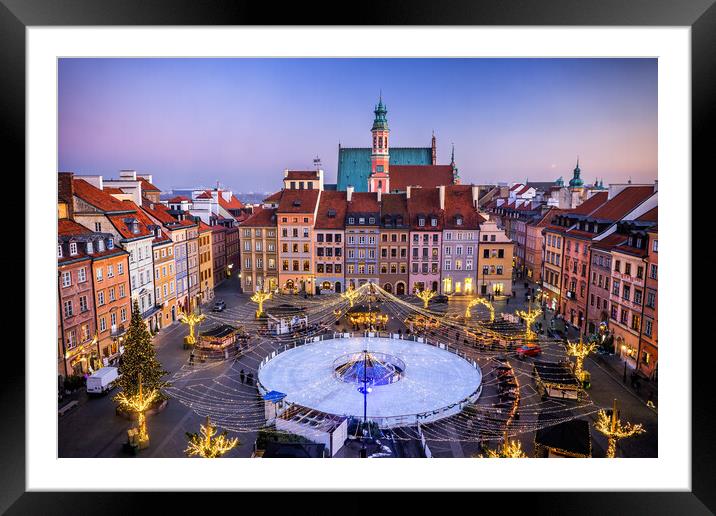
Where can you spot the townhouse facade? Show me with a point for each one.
(649, 342)
(426, 221)
(206, 263)
(329, 234)
(495, 258)
(460, 239)
(296, 215)
(218, 252)
(394, 248)
(362, 236)
(260, 251)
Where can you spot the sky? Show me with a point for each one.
(192, 122)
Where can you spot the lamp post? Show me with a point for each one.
(364, 389)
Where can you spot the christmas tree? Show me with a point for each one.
(139, 357)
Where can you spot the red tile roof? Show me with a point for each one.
(427, 176)
(112, 190)
(334, 202)
(204, 195)
(66, 227)
(232, 204)
(516, 187)
(160, 212)
(363, 202)
(179, 199)
(96, 197)
(591, 204)
(146, 185)
(623, 202)
(607, 243)
(302, 174)
(274, 197)
(204, 227)
(120, 224)
(650, 216)
(298, 201)
(523, 190)
(458, 201)
(546, 219)
(425, 201)
(261, 218)
(394, 204)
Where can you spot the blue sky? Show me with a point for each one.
(192, 122)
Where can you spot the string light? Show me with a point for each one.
(530, 317)
(212, 389)
(204, 444)
(191, 319)
(480, 301)
(614, 430)
(259, 297)
(509, 450)
(426, 296)
(351, 295)
(580, 351)
(139, 403)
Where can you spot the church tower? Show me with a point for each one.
(379, 179)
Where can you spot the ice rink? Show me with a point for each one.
(434, 379)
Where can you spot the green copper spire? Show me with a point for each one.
(576, 181)
(380, 121)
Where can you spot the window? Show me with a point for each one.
(617, 266)
(102, 324)
(111, 294)
(650, 299)
(83, 303)
(123, 314)
(100, 298)
(68, 309)
(653, 271)
(98, 227)
(110, 271)
(655, 246)
(637, 296)
(627, 269)
(99, 274)
(73, 249)
(648, 327)
(66, 279)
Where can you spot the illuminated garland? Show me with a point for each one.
(259, 297)
(580, 351)
(191, 319)
(614, 430)
(205, 445)
(139, 403)
(426, 296)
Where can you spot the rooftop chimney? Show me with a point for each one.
(656, 185)
(379, 196)
(475, 196)
(441, 189)
(128, 174)
(65, 190)
(349, 193)
(407, 192)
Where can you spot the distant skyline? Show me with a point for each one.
(191, 122)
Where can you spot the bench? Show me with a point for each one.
(67, 408)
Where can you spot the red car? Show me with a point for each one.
(529, 350)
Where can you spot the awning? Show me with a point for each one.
(274, 396)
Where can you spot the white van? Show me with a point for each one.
(102, 380)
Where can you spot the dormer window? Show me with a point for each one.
(361, 220)
(421, 221)
(73, 249)
(110, 243)
(433, 222)
(371, 220)
(59, 250)
(638, 243)
(90, 248)
(458, 220)
(331, 213)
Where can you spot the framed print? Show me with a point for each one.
(429, 235)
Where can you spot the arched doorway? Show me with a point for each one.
(174, 313)
(400, 288)
(338, 287)
(435, 286)
(388, 287)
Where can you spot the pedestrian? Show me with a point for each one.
(191, 357)
(241, 375)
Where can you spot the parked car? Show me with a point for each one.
(219, 306)
(440, 299)
(529, 350)
(102, 380)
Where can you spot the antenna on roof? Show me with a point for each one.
(317, 163)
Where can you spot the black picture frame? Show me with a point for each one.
(17, 15)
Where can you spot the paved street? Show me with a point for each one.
(94, 430)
